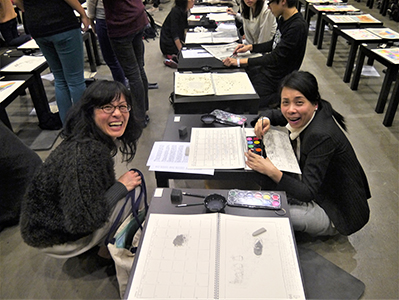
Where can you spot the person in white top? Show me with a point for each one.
(258, 21)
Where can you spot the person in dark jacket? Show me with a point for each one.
(332, 193)
(18, 163)
(173, 31)
(282, 55)
(74, 197)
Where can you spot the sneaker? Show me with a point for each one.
(152, 10)
(170, 63)
(172, 57)
(146, 121)
(152, 86)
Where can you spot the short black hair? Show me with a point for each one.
(290, 3)
(181, 3)
(306, 83)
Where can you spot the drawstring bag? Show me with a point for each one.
(122, 241)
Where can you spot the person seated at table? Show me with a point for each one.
(18, 163)
(74, 197)
(330, 196)
(9, 26)
(173, 31)
(258, 21)
(281, 56)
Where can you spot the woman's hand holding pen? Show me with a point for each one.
(241, 48)
(262, 126)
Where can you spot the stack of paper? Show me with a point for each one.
(200, 84)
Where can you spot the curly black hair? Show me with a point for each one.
(80, 124)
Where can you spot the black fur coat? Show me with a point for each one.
(66, 199)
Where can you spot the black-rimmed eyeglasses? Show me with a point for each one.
(109, 109)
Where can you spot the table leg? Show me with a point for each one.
(351, 61)
(39, 98)
(386, 86)
(95, 47)
(308, 15)
(306, 12)
(333, 45)
(161, 180)
(384, 7)
(89, 51)
(316, 34)
(321, 34)
(358, 70)
(393, 105)
(370, 3)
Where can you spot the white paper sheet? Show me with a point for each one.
(220, 84)
(195, 53)
(217, 148)
(25, 63)
(212, 256)
(8, 87)
(279, 150)
(172, 157)
(29, 45)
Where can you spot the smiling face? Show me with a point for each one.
(296, 108)
(113, 124)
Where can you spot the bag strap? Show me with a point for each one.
(135, 208)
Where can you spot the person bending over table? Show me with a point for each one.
(258, 21)
(74, 197)
(331, 195)
(282, 55)
(174, 30)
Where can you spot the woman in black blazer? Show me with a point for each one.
(331, 194)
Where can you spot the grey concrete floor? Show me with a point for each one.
(371, 254)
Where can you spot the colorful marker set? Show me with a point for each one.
(254, 199)
(254, 144)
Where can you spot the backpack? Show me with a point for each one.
(393, 10)
(151, 30)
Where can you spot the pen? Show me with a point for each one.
(189, 204)
(193, 195)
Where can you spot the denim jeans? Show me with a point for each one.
(64, 54)
(10, 34)
(309, 217)
(107, 52)
(130, 53)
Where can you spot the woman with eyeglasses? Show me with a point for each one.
(74, 197)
